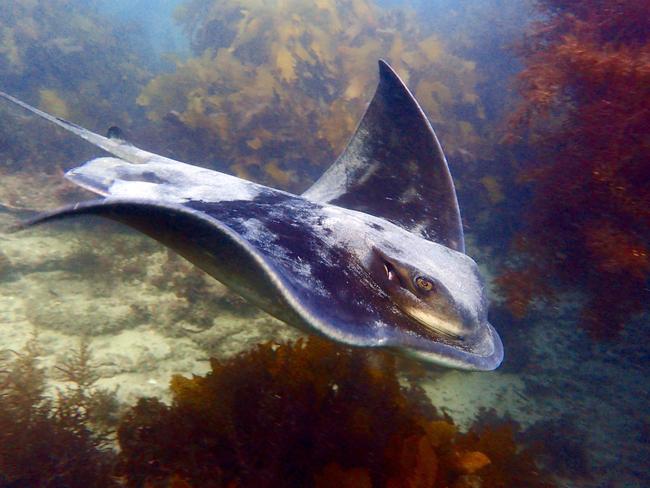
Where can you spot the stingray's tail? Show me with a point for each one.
(133, 173)
(113, 145)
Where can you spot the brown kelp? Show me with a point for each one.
(65, 57)
(311, 413)
(62, 441)
(585, 115)
(267, 73)
(306, 413)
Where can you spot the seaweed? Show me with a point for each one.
(64, 57)
(53, 442)
(310, 413)
(265, 73)
(584, 117)
(568, 458)
(307, 413)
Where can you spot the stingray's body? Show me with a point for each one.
(371, 255)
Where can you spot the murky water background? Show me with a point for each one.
(271, 91)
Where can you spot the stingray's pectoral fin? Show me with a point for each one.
(206, 242)
(187, 231)
(167, 223)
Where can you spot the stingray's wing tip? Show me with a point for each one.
(13, 228)
(16, 223)
(21, 224)
(51, 215)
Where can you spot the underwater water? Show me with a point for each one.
(122, 364)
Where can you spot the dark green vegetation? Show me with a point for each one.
(70, 61)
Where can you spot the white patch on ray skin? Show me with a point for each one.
(419, 228)
(334, 182)
(410, 195)
(370, 170)
(174, 182)
(253, 230)
(257, 233)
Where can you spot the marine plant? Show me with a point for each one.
(50, 442)
(265, 74)
(311, 413)
(584, 117)
(63, 56)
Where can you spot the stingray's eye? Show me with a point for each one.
(424, 283)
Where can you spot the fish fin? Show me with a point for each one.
(115, 133)
(185, 230)
(394, 167)
(223, 252)
(113, 145)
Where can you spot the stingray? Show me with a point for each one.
(371, 255)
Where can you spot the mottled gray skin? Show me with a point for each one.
(372, 255)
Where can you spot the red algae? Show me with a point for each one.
(585, 116)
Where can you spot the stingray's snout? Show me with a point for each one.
(423, 298)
